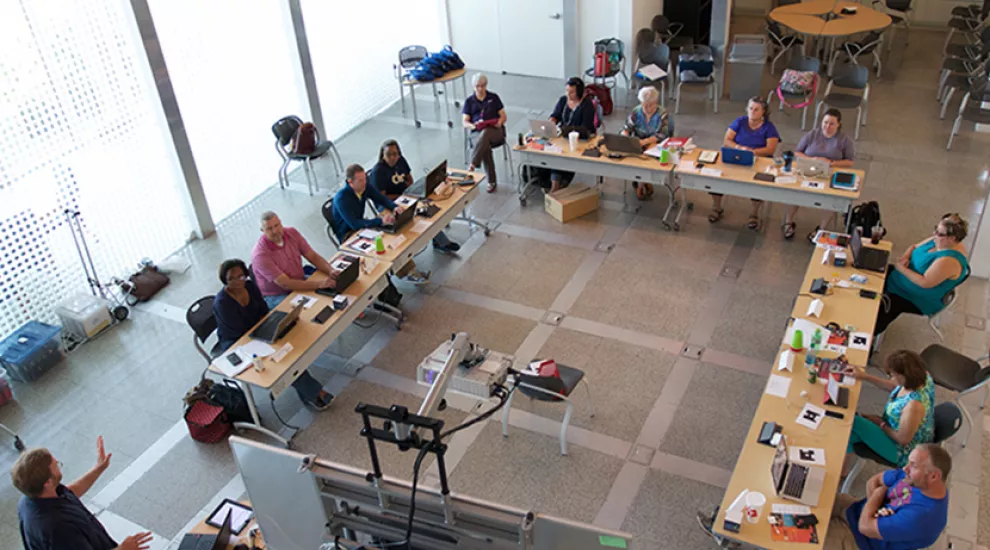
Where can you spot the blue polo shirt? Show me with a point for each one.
(60, 523)
(390, 180)
(916, 521)
(755, 139)
(486, 109)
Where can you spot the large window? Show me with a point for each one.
(80, 128)
(235, 70)
(355, 44)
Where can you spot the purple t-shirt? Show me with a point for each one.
(269, 260)
(482, 109)
(837, 147)
(755, 139)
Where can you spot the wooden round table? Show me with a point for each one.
(809, 18)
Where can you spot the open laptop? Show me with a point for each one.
(403, 217)
(623, 145)
(350, 274)
(867, 257)
(423, 188)
(795, 481)
(812, 167)
(742, 157)
(277, 324)
(208, 542)
(543, 128)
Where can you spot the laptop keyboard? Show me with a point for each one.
(796, 478)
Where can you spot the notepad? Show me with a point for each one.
(778, 385)
(652, 72)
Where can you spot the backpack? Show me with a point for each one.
(599, 111)
(797, 82)
(613, 55)
(451, 61)
(304, 140)
(867, 216)
(602, 95)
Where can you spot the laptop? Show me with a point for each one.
(403, 218)
(208, 542)
(350, 274)
(423, 188)
(277, 324)
(731, 155)
(867, 257)
(624, 145)
(795, 481)
(812, 167)
(543, 128)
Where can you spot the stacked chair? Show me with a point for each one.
(965, 66)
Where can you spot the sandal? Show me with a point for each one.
(811, 236)
(492, 186)
(753, 223)
(649, 189)
(789, 230)
(716, 215)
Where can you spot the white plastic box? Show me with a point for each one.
(83, 315)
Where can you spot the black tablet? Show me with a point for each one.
(240, 515)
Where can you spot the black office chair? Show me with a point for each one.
(284, 130)
(956, 372)
(327, 211)
(551, 389)
(948, 420)
(900, 15)
(869, 44)
(200, 319)
(780, 42)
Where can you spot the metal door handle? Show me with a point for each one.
(554, 16)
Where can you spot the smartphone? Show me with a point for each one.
(323, 315)
(234, 359)
(867, 294)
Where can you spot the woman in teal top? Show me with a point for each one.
(651, 123)
(926, 273)
(908, 418)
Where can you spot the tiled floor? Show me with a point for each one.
(666, 432)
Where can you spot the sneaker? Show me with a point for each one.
(418, 277)
(450, 247)
(322, 401)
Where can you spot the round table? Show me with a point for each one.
(809, 18)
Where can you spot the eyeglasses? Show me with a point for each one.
(939, 233)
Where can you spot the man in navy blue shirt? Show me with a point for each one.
(50, 514)
(484, 116)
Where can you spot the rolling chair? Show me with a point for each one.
(805, 64)
(956, 372)
(947, 421)
(851, 77)
(284, 131)
(550, 389)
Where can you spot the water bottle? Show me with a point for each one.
(379, 245)
(256, 361)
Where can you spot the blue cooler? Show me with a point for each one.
(31, 351)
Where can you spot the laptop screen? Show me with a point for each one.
(223, 536)
(778, 468)
(435, 178)
(855, 243)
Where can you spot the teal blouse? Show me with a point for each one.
(892, 416)
(928, 300)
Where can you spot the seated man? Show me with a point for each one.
(904, 509)
(349, 205)
(277, 264)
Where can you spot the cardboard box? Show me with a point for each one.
(571, 202)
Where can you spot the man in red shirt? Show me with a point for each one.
(277, 262)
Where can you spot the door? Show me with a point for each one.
(474, 33)
(531, 36)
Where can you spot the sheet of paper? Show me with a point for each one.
(811, 416)
(687, 165)
(369, 234)
(807, 329)
(785, 180)
(778, 385)
(420, 226)
(256, 347)
(405, 201)
(860, 340)
(340, 264)
(282, 352)
(654, 151)
(793, 509)
(810, 456)
(397, 241)
(368, 265)
(836, 348)
(786, 360)
(711, 172)
(652, 72)
(552, 149)
(815, 308)
(229, 369)
(812, 184)
(306, 301)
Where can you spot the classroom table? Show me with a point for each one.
(308, 339)
(202, 528)
(825, 18)
(443, 80)
(401, 246)
(738, 181)
(752, 471)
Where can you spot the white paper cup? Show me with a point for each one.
(572, 139)
(754, 506)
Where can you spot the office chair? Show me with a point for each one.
(200, 319)
(869, 44)
(666, 32)
(947, 421)
(327, 211)
(971, 110)
(409, 57)
(804, 101)
(972, 82)
(551, 389)
(851, 77)
(958, 373)
(900, 12)
(284, 130)
(780, 42)
(504, 146)
(648, 53)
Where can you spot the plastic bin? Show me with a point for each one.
(747, 57)
(6, 393)
(31, 351)
(83, 316)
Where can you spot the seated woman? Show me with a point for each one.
(752, 132)
(908, 417)
(651, 125)
(239, 306)
(392, 175)
(825, 143)
(925, 273)
(484, 116)
(573, 113)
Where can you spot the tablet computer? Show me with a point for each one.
(240, 515)
(843, 180)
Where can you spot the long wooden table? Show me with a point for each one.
(752, 471)
(308, 339)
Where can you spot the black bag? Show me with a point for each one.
(390, 295)
(229, 396)
(867, 216)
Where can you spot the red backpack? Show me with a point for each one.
(603, 95)
(304, 140)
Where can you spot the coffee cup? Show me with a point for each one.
(572, 140)
(754, 506)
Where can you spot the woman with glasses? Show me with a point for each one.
(238, 307)
(925, 273)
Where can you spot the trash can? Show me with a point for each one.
(747, 57)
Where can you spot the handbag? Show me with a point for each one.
(797, 82)
(144, 284)
(207, 422)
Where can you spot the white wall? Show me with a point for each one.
(930, 13)
(596, 19)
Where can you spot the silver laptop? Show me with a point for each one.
(812, 167)
(795, 481)
(543, 128)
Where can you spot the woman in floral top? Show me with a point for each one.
(908, 418)
(651, 124)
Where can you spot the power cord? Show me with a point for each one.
(271, 397)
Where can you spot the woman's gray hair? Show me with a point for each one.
(479, 77)
(649, 93)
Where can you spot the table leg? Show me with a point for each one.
(672, 198)
(412, 97)
(463, 216)
(446, 102)
(255, 423)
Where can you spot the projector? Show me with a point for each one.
(488, 370)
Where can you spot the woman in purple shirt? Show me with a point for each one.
(825, 143)
(484, 117)
(753, 132)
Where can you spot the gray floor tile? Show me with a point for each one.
(663, 514)
(753, 322)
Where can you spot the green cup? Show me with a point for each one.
(797, 342)
(664, 156)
